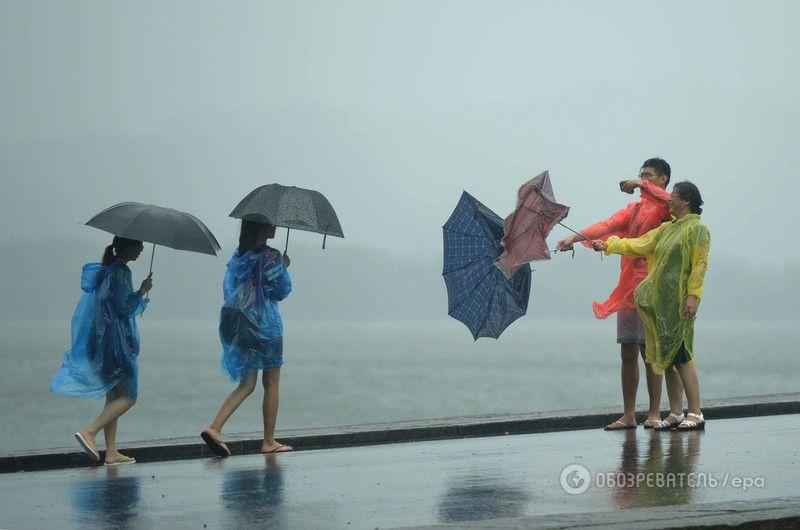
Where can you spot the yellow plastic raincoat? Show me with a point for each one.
(677, 257)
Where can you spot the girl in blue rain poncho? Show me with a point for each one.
(103, 361)
(251, 330)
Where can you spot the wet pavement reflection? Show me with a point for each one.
(658, 477)
(481, 496)
(422, 483)
(104, 497)
(253, 496)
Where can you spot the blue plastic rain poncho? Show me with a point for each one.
(251, 328)
(105, 338)
(677, 258)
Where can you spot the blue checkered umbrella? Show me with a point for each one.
(478, 293)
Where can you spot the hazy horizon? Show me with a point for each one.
(343, 282)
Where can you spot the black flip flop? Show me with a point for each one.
(215, 445)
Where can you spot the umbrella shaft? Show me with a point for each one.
(571, 230)
(152, 256)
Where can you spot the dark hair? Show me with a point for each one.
(248, 235)
(117, 245)
(660, 165)
(689, 193)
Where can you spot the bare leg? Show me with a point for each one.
(630, 382)
(691, 385)
(271, 380)
(653, 390)
(117, 404)
(675, 393)
(110, 430)
(234, 400)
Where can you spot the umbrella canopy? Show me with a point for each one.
(290, 207)
(158, 225)
(537, 212)
(478, 293)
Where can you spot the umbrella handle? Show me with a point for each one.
(573, 252)
(287, 242)
(555, 250)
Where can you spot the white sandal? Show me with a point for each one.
(663, 425)
(693, 425)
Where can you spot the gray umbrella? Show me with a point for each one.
(290, 207)
(157, 225)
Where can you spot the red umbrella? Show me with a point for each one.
(537, 212)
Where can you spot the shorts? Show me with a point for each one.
(629, 327)
(682, 356)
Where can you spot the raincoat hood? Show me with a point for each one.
(242, 266)
(91, 276)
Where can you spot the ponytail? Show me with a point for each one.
(689, 193)
(119, 243)
(108, 255)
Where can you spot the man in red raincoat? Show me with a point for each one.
(634, 220)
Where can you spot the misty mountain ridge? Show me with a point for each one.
(350, 281)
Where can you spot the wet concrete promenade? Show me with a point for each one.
(465, 481)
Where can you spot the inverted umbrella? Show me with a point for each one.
(157, 225)
(478, 293)
(290, 207)
(536, 214)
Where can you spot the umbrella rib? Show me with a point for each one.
(474, 287)
(204, 229)
(557, 222)
(132, 220)
(483, 327)
(466, 265)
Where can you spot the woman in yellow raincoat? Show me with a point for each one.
(667, 300)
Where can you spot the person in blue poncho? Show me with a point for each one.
(103, 361)
(251, 330)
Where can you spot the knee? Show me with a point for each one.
(247, 387)
(629, 353)
(270, 380)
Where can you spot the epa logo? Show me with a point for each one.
(575, 479)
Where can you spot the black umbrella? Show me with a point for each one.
(157, 225)
(290, 207)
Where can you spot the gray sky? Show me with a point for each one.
(391, 108)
